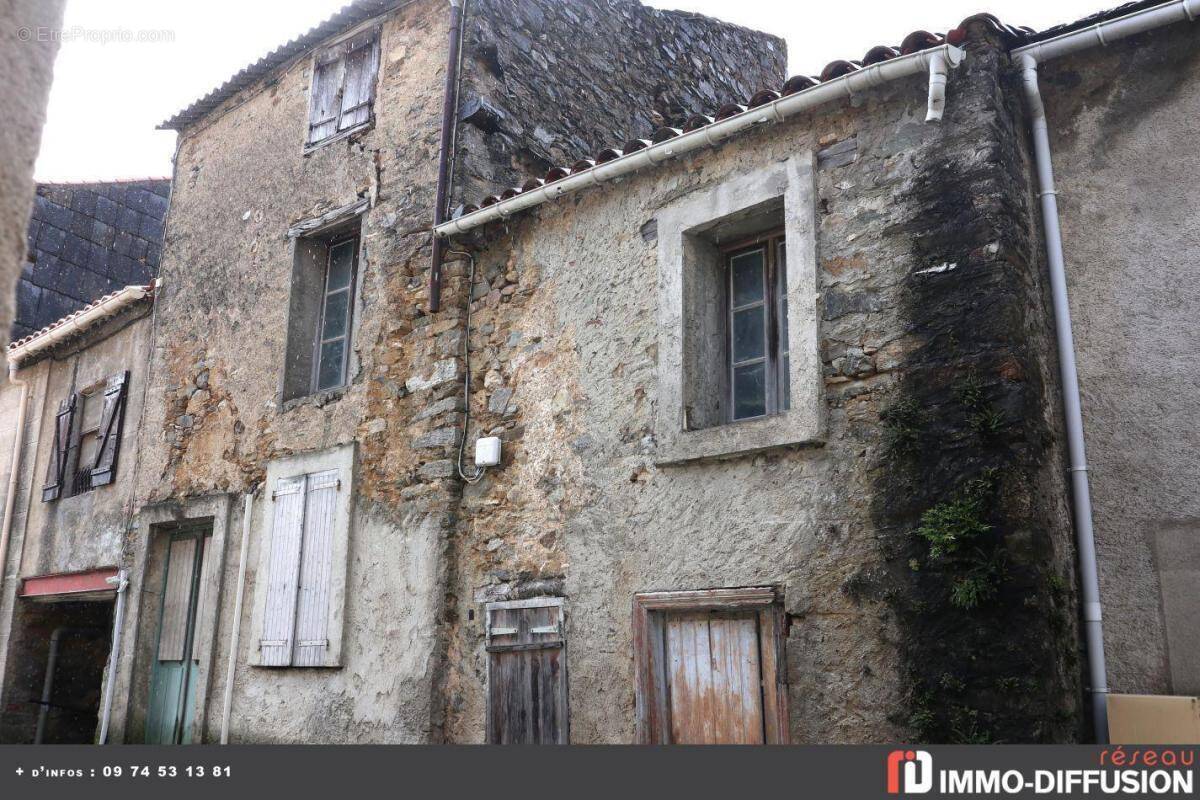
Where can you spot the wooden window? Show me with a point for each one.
(333, 334)
(300, 569)
(527, 672)
(343, 88)
(87, 439)
(758, 338)
(710, 667)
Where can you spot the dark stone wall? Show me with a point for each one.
(970, 496)
(547, 82)
(84, 241)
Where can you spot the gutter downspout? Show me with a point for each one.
(10, 499)
(1027, 57)
(51, 667)
(936, 62)
(227, 704)
(110, 683)
(449, 122)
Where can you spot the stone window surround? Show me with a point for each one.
(340, 457)
(793, 179)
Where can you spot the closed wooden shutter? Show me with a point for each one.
(527, 674)
(358, 85)
(56, 473)
(325, 104)
(283, 572)
(316, 568)
(111, 425)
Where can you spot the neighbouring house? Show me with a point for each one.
(773, 399)
(74, 394)
(28, 64)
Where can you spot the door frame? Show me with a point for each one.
(650, 687)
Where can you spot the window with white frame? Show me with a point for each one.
(299, 602)
(319, 351)
(759, 376)
(343, 88)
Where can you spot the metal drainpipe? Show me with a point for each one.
(10, 499)
(51, 666)
(110, 684)
(449, 120)
(1069, 374)
(227, 703)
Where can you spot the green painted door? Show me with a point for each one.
(173, 681)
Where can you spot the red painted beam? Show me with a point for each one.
(68, 583)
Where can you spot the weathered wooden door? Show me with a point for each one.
(174, 673)
(710, 666)
(527, 673)
(714, 676)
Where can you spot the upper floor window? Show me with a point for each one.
(334, 337)
(87, 439)
(758, 335)
(325, 266)
(343, 88)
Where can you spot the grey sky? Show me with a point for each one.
(160, 55)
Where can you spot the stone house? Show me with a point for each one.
(777, 391)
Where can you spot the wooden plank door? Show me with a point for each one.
(174, 673)
(714, 676)
(527, 676)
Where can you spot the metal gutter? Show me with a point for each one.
(445, 176)
(936, 61)
(1029, 57)
(76, 323)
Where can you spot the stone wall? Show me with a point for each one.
(935, 342)
(1122, 122)
(621, 70)
(214, 419)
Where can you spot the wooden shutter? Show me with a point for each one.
(56, 473)
(177, 598)
(283, 572)
(325, 104)
(111, 425)
(527, 673)
(358, 85)
(316, 568)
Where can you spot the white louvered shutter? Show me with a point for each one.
(283, 572)
(316, 569)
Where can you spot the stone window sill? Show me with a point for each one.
(790, 429)
(316, 399)
(337, 137)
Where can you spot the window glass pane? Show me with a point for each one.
(93, 405)
(341, 265)
(748, 333)
(329, 374)
(336, 307)
(747, 277)
(750, 391)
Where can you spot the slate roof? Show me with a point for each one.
(86, 240)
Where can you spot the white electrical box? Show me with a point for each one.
(487, 451)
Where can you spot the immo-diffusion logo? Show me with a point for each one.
(1141, 773)
(909, 771)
